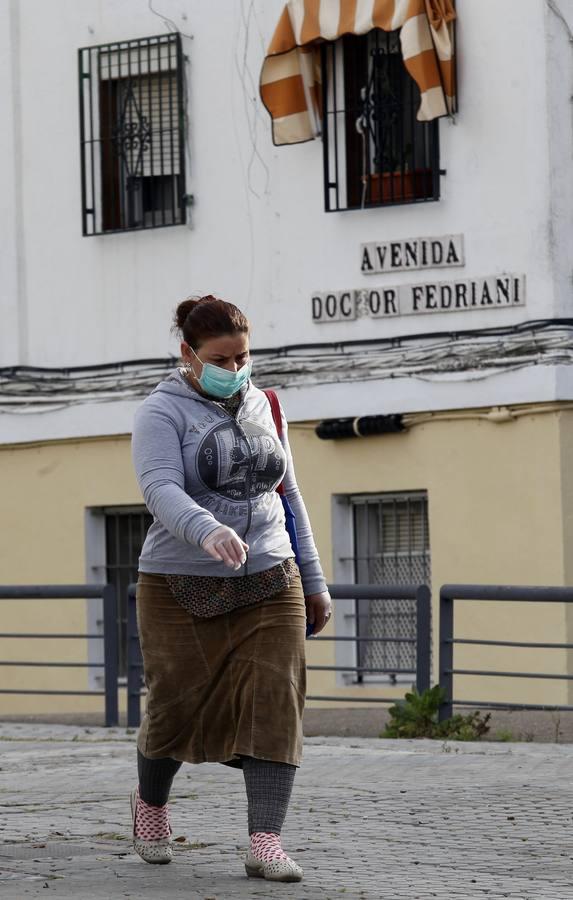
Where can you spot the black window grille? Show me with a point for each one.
(132, 135)
(376, 153)
(125, 530)
(392, 546)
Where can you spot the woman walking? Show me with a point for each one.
(222, 605)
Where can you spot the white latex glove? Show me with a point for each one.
(225, 545)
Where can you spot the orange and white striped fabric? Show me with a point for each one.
(290, 76)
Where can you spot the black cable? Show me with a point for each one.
(541, 325)
(169, 23)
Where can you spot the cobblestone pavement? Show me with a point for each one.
(369, 819)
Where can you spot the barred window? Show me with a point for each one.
(392, 546)
(376, 153)
(125, 530)
(132, 135)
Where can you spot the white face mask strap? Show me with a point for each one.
(196, 357)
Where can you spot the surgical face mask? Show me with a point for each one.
(220, 382)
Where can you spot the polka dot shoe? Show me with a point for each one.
(267, 859)
(151, 830)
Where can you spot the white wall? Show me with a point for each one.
(495, 192)
(536, 384)
(12, 281)
(508, 189)
(560, 141)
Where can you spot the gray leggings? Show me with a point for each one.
(269, 787)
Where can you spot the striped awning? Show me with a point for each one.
(290, 76)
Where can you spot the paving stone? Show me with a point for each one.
(369, 819)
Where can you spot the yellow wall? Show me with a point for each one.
(566, 434)
(45, 490)
(500, 511)
(494, 495)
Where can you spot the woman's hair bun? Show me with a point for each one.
(201, 318)
(183, 310)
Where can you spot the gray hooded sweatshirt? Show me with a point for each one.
(198, 468)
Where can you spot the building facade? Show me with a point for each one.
(410, 279)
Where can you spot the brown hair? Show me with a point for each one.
(201, 318)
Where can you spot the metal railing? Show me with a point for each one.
(449, 594)
(370, 592)
(488, 593)
(109, 637)
(134, 662)
(419, 593)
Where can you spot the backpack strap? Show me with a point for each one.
(277, 419)
(276, 410)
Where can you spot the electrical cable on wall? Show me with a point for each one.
(249, 87)
(560, 15)
(173, 28)
(250, 97)
(169, 23)
(430, 358)
(250, 102)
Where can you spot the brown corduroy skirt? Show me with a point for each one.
(223, 687)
